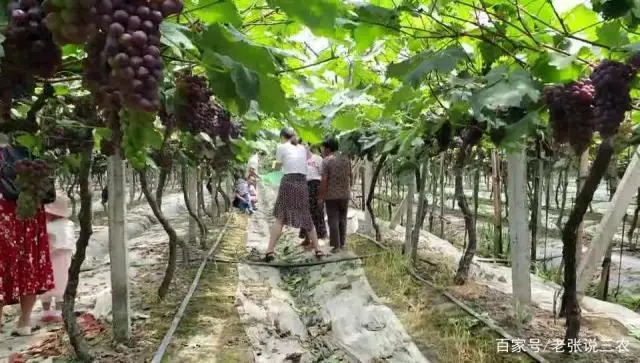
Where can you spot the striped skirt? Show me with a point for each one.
(292, 203)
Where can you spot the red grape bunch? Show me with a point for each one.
(611, 81)
(579, 110)
(32, 179)
(29, 49)
(571, 109)
(132, 48)
(70, 21)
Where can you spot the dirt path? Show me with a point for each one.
(324, 313)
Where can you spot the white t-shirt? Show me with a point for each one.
(292, 157)
(61, 235)
(314, 167)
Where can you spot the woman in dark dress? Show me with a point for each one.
(292, 203)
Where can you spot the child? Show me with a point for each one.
(253, 193)
(61, 244)
(242, 194)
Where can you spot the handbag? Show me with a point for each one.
(9, 156)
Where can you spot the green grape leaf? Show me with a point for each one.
(321, 16)
(238, 85)
(246, 82)
(29, 141)
(611, 34)
(309, 133)
(414, 69)
(579, 18)
(173, 36)
(346, 120)
(515, 88)
(517, 130)
(220, 11)
(229, 42)
(373, 22)
(365, 35)
(271, 97)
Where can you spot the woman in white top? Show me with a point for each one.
(314, 172)
(292, 204)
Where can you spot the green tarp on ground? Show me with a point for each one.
(272, 178)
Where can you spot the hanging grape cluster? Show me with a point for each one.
(553, 97)
(132, 48)
(124, 66)
(578, 109)
(195, 112)
(444, 136)
(473, 133)
(611, 82)
(572, 113)
(70, 21)
(32, 179)
(29, 49)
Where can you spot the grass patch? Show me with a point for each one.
(439, 328)
(211, 326)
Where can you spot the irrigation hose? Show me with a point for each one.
(159, 354)
(296, 265)
(486, 320)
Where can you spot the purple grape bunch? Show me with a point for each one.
(29, 49)
(195, 112)
(131, 50)
(611, 81)
(571, 109)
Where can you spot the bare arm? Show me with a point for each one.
(322, 192)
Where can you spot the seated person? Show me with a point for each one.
(242, 198)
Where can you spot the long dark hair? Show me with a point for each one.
(289, 134)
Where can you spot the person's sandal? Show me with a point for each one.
(269, 257)
(319, 254)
